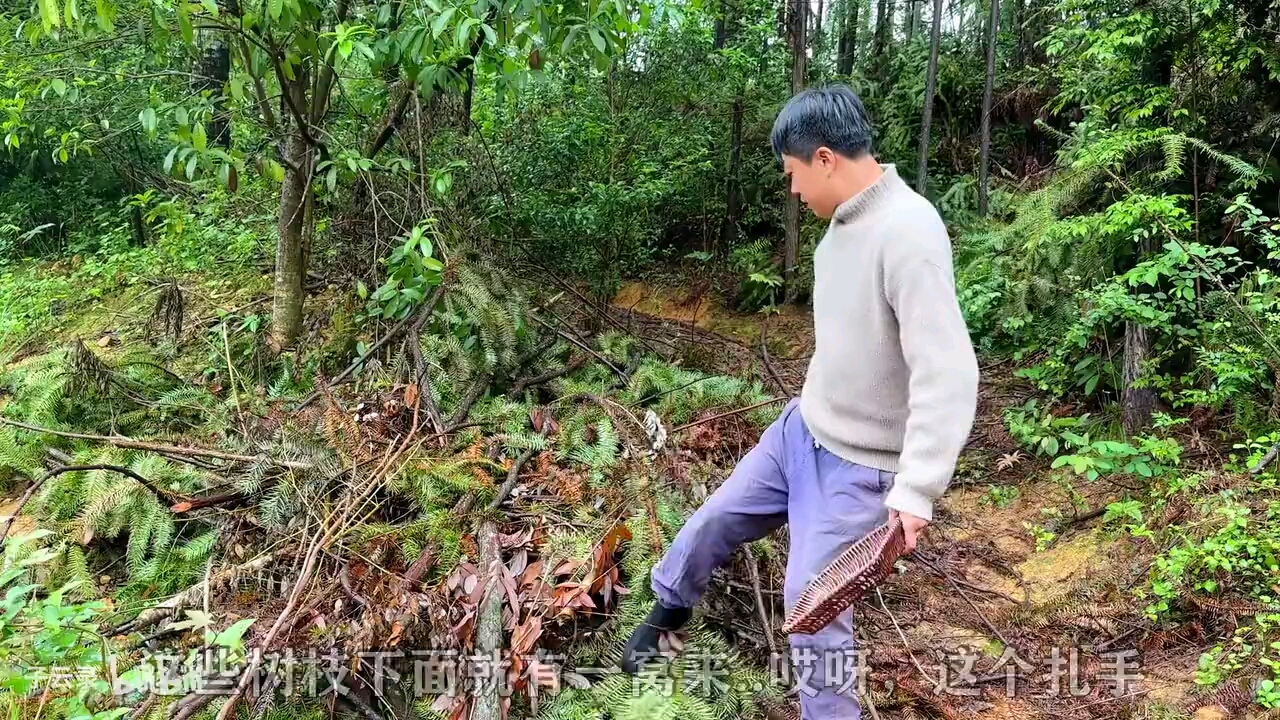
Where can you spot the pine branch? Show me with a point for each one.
(79, 468)
(172, 450)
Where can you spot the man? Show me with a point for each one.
(887, 404)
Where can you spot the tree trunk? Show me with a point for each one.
(791, 250)
(1019, 19)
(930, 84)
(848, 48)
(1139, 402)
(817, 24)
(733, 193)
(880, 44)
(984, 162)
(212, 70)
(291, 270)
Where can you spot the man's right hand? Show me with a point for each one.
(912, 527)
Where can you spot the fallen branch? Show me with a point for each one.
(193, 504)
(464, 408)
(78, 468)
(131, 444)
(17, 509)
(905, 644)
(335, 524)
(739, 411)
(578, 341)
(170, 607)
(768, 364)
(142, 710)
(965, 583)
(525, 383)
(344, 579)
(754, 572)
(423, 379)
(1266, 460)
(513, 475)
(418, 321)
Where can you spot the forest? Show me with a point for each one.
(362, 357)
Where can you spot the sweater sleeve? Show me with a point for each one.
(943, 384)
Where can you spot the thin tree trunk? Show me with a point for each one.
(1020, 19)
(984, 162)
(791, 250)
(212, 70)
(930, 84)
(848, 48)
(880, 44)
(733, 191)
(286, 312)
(817, 24)
(1139, 402)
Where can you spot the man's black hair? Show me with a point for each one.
(830, 116)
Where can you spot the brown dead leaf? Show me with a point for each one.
(411, 395)
(531, 573)
(477, 592)
(469, 585)
(105, 340)
(526, 635)
(397, 628)
(509, 583)
(519, 561)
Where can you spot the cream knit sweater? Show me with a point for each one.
(893, 380)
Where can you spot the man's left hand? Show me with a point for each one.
(912, 527)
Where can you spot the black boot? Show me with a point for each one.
(643, 644)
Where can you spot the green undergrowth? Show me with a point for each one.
(1212, 534)
(115, 545)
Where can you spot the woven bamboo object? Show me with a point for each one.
(859, 568)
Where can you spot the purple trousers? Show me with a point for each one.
(827, 503)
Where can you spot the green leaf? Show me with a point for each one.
(148, 119)
(168, 160)
(464, 32)
(180, 116)
(224, 175)
(597, 39)
(49, 14)
(59, 86)
(489, 33)
(274, 8)
(198, 137)
(191, 166)
(331, 178)
(442, 20)
(105, 14)
(184, 24)
(72, 10)
(230, 638)
(210, 6)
